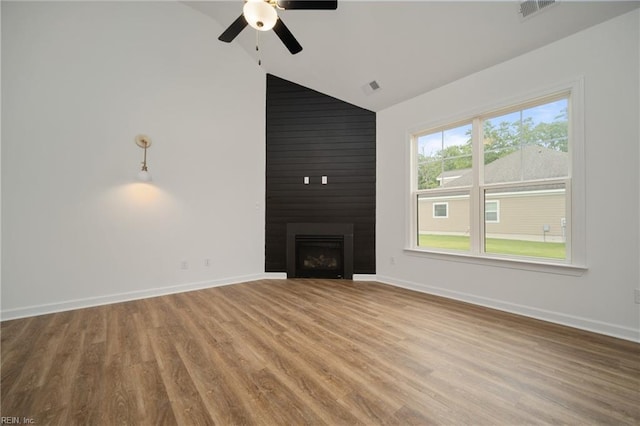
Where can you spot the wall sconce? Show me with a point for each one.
(144, 142)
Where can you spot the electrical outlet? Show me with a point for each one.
(636, 294)
(207, 262)
(184, 265)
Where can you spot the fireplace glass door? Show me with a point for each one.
(319, 256)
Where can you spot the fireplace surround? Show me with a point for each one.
(320, 250)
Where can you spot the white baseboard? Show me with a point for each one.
(68, 305)
(365, 277)
(581, 323)
(275, 275)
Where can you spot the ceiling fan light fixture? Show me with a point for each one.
(260, 15)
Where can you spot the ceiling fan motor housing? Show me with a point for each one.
(260, 15)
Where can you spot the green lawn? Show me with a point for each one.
(496, 245)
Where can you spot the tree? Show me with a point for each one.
(499, 141)
(510, 136)
(428, 172)
(553, 135)
(430, 168)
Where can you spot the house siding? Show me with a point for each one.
(457, 222)
(524, 217)
(521, 217)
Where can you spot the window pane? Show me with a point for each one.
(530, 144)
(440, 209)
(450, 231)
(532, 221)
(444, 157)
(491, 211)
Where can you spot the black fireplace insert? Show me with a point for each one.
(319, 250)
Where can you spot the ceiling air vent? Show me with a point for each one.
(529, 8)
(371, 87)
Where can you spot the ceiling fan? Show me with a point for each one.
(262, 15)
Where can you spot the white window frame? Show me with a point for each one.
(497, 203)
(440, 203)
(575, 262)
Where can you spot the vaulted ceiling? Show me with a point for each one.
(407, 47)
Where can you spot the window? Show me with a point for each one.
(491, 211)
(497, 185)
(440, 210)
(443, 156)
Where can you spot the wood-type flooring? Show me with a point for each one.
(311, 352)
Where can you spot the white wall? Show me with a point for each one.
(601, 299)
(79, 81)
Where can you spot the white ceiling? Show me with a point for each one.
(408, 47)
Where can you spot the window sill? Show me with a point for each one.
(500, 262)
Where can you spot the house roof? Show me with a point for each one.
(453, 173)
(407, 47)
(531, 162)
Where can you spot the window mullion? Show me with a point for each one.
(476, 223)
(412, 228)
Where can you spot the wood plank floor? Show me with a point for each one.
(295, 352)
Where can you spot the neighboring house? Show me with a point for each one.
(520, 213)
(449, 175)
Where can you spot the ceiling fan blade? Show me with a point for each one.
(308, 4)
(287, 37)
(234, 29)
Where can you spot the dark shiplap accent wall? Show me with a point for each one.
(312, 134)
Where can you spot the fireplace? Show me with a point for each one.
(320, 250)
(319, 256)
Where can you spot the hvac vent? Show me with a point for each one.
(529, 8)
(371, 87)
